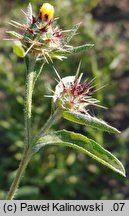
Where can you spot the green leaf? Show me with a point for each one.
(15, 34)
(89, 121)
(83, 144)
(18, 49)
(79, 48)
(70, 35)
(29, 14)
(38, 68)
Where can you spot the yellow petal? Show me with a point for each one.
(46, 12)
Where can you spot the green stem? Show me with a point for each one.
(52, 119)
(28, 138)
(20, 171)
(28, 103)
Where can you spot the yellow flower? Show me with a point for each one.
(46, 12)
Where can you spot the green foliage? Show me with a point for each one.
(29, 14)
(18, 49)
(83, 144)
(88, 120)
(70, 35)
(38, 68)
(15, 34)
(74, 50)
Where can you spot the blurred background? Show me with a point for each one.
(63, 173)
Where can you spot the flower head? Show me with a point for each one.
(70, 94)
(46, 12)
(39, 36)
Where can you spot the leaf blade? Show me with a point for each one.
(74, 50)
(70, 35)
(29, 14)
(83, 144)
(15, 34)
(38, 68)
(18, 49)
(87, 120)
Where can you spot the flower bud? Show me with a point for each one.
(46, 12)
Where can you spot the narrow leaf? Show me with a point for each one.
(29, 14)
(70, 35)
(89, 121)
(15, 34)
(79, 48)
(38, 68)
(83, 144)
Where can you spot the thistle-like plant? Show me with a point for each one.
(39, 42)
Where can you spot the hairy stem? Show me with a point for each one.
(28, 103)
(28, 137)
(52, 119)
(20, 171)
